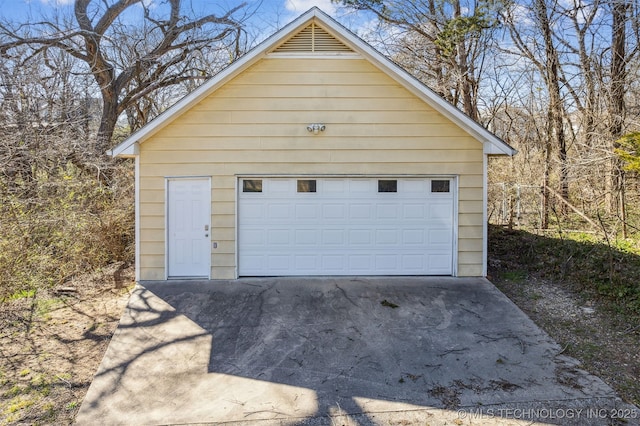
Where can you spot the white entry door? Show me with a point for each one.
(189, 227)
(346, 226)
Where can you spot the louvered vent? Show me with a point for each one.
(312, 39)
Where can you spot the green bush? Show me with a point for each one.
(600, 269)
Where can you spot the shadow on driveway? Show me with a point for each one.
(346, 350)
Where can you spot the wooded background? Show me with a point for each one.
(557, 80)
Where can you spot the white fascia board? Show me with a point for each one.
(181, 106)
(491, 142)
(130, 151)
(497, 146)
(205, 89)
(490, 148)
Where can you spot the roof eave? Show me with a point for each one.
(492, 145)
(502, 148)
(124, 148)
(497, 145)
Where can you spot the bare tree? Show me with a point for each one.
(444, 43)
(129, 62)
(538, 46)
(617, 105)
(583, 56)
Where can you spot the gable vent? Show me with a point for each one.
(312, 39)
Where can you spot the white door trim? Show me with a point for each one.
(485, 219)
(166, 223)
(455, 183)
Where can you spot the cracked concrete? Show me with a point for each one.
(313, 350)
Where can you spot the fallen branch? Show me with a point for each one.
(572, 207)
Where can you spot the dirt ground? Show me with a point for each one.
(52, 344)
(602, 340)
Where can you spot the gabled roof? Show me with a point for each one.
(315, 32)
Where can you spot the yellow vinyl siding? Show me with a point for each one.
(191, 143)
(469, 270)
(469, 219)
(314, 78)
(207, 130)
(256, 125)
(315, 156)
(300, 104)
(336, 117)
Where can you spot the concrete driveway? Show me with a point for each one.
(347, 350)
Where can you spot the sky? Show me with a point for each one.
(265, 16)
(270, 10)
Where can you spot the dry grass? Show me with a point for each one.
(52, 345)
(584, 293)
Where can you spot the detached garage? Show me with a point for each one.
(311, 155)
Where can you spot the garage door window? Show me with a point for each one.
(440, 186)
(252, 185)
(306, 185)
(387, 186)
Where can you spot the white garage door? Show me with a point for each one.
(345, 226)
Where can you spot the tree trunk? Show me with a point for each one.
(545, 187)
(617, 107)
(465, 82)
(107, 123)
(623, 207)
(555, 107)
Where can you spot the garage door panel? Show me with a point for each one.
(359, 237)
(333, 263)
(441, 210)
(253, 237)
(414, 262)
(414, 236)
(307, 211)
(307, 237)
(360, 211)
(278, 263)
(385, 237)
(360, 262)
(360, 187)
(306, 263)
(279, 211)
(279, 187)
(333, 237)
(413, 211)
(345, 227)
(439, 263)
(255, 263)
(387, 211)
(251, 210)
(440, 237)
(387, 262)
(279, 237)
(414, 186)
(335, 188)
(333, 211)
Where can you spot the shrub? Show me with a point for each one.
(70, 224)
